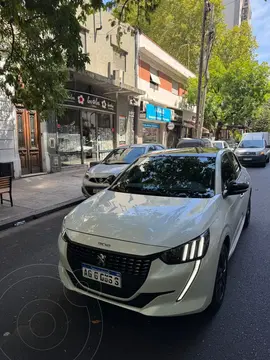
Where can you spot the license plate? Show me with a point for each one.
(103, 276)
(247, 159)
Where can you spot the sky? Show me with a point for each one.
(260, 22)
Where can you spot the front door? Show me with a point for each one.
(235, 202)
(28, 141)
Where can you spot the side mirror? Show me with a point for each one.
(267, 146)
(93, 163)
(235, 188)
(110, 179)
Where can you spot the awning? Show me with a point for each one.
(106, 85)
(189, 124)
(206, 131)
(155, 79)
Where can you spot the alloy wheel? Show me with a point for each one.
(220, 282)
(221, 278)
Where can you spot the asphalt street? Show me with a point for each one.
(40, 320)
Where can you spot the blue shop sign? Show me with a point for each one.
(147, 125)
(157, 113)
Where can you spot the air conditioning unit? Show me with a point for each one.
(118, 76)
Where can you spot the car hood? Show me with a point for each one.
(103, 169)
(150, 220)
(248, 150)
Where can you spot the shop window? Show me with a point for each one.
(69, 137)
(151, 133)
(104, 121)
(175, 87)
(105, 135)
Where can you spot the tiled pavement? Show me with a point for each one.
(37, 195)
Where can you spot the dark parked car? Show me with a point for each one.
(187, 143)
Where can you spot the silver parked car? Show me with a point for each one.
(253, 150)
(221, 144)
(100, 175)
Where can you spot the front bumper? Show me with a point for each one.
(159, 293)
(252, 159)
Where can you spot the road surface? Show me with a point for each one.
(39, 320)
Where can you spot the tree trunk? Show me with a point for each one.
(218, 131)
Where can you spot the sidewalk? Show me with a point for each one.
(39, 195)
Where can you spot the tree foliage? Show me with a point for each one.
(175, 25)
(40, 41)
(262, 121)
(238, 84)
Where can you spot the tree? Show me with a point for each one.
(262, 122)
(175, 25)
(238, 84)
(40, 41)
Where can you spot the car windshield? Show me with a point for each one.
(219, 144)
(124, 156)
(170, 176)
(251, 144)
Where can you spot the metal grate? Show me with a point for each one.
(134, 269)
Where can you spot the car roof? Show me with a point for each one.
(192, 151)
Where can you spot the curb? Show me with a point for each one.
(21, 220)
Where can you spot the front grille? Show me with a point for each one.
(134, 269)
(139, 302)
(98, 180)
(249, 153)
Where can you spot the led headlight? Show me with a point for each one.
(190, 251)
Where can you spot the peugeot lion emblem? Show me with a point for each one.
(101, 258)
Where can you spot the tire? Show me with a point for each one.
(268, 160)
(220, 282)
(248, 214)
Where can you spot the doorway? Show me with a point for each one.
(28, 141)
(174, 136)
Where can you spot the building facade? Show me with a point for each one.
(236, 12)
(132, 91)
(165, 115)
(99, 111)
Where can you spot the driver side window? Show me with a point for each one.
(228, 172)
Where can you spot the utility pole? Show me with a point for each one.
(205, 13)
(210, 40)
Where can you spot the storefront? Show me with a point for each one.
(86, 130)
(175, 129)
(153, 123)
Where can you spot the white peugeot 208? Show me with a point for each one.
(158, 240)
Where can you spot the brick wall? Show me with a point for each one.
(144, 71)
